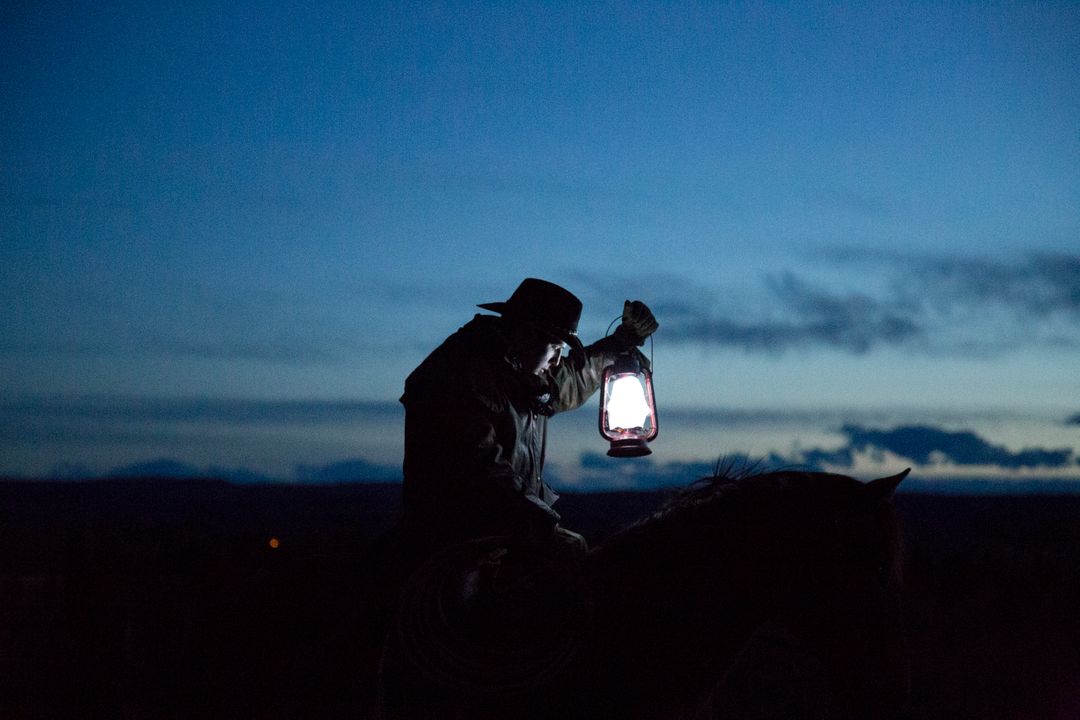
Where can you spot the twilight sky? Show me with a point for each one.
(229, 230)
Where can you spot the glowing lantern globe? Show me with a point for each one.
(627, 407)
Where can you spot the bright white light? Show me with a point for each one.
(626, 404)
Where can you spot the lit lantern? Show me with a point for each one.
(627, 407)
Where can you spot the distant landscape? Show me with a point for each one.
(644, 476)
(166, 597)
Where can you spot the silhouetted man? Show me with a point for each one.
(476, 412)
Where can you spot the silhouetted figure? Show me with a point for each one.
(476, 413)
(682, 615)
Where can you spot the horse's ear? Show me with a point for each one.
(883, 488)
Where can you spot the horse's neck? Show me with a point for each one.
(676, 612)
(696, 587)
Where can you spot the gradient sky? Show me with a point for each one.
(228, 231)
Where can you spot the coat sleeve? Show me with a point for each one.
(579, 377)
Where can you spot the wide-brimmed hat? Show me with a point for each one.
(545, 305)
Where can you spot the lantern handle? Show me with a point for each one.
(607, 332)
(652, 347)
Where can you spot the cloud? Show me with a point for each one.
(926, 445)
(934, 304)
(598, 472)
(812, 316)
(980, 305)
(1073, 419)
(790, 313)
(1036, 286)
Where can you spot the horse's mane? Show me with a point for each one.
(733, 482)
(725, 481)
(736, 494)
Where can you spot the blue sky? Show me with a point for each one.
(228, 231)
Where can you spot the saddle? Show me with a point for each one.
(492, 616)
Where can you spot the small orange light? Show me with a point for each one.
(275, 543)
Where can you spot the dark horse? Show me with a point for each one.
(672, 617)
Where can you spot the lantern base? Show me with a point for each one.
(633, 447)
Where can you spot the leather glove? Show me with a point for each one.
(637, 324)
(578, 356)
(569, 544)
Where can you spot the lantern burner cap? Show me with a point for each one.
(630, 447)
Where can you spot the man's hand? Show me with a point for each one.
(637, 324)
(569, 544)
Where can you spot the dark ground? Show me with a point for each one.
(163, 598)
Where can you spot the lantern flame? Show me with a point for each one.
(627, 407)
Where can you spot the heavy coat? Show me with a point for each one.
(475, 436)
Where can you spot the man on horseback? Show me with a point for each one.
(476, 412)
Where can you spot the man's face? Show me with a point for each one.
(544, 356)
(535, 350)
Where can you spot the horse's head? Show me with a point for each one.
(835, 555)
(816, 556)
(808, 559)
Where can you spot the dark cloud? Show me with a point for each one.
(1036, 286)
(1073, 420)
(937, 304)
(1006, 302)
(742, 417)
(791, 314)
(600, 472)
(816, 457)
(808, 316)
(927, 445)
